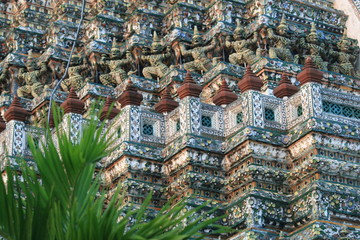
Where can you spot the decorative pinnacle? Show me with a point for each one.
(189, 88)
(309, 63)
(282, 24)
(224, 86)
(285, 88)
(284, 80)
(16, 102)
(73, 104)
(106, 112)
(309, 73)
(130, 86)
(167, 103)
(72, 94)
(189, 78)
(249, 71)
(250, 81)
(225, 95)
(16, 111)
(155, 37)
(166, 94)
(196, 31)
(313, 28)
(130, 96)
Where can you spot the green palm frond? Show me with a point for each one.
(60, 197)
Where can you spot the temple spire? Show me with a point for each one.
(224, 96)
(189, 88)
(167, 103)
(250, 81)
(309, 73)
(282, 24)
(285, 88)
(73, 104)
(130, 96)
(106, 112)
(16, 111)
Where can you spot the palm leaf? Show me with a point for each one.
(60, 198)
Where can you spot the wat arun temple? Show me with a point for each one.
(251, 104)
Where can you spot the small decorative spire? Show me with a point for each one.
(130, 96)
(225, 95)
(196, 31)
(167, 103)
(285, 88)
(238, 29)
(284, 80)
(250, 81)
(309, 63)
(313, 28)
(156, 41)
(189, 78)
(2, 124)
(115, 50)
(155, 37)
(16, 111)
(196, 38)
(114, 44)
(309, 73)
(73, 104)
(282, 24)
(30, 62)
(106, 112)
(312, 36)
(189, 88)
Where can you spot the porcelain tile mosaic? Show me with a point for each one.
(277, 166)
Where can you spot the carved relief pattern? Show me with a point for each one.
(316, 98)
(17, 130)
(230, 114)
(75, 128)
(194, 107)
(173, 125)
(291, 107)
(257, 107)
(135, 124)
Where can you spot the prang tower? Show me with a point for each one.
(253, 105)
